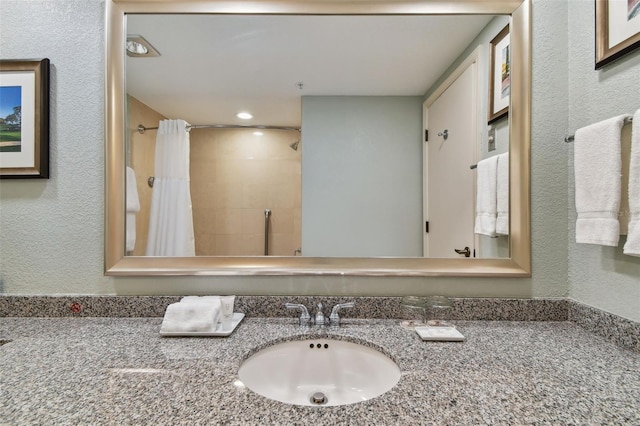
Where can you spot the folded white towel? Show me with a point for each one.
(212, 299)
(502, 197)
(133, 206)
(632, 246)
(486, 196)
(191, 317)
(598, 168)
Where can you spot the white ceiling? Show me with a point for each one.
(213, 66)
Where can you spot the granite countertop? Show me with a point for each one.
(94, 371)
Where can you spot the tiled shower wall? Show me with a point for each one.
(235, 176)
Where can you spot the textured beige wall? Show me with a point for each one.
(235, 176)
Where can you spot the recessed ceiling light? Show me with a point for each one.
(137, 46)
(244, 115)
(258, 133)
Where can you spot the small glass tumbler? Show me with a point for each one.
(413, 312)
(437, 310)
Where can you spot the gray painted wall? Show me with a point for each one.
(362, 176)
(51, 231)
(599, 276)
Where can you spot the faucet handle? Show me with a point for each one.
(305, 318)
(334, 318)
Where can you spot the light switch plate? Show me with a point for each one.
(491, 139)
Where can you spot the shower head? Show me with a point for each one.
(294, 146)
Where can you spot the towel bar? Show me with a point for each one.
(571, 138)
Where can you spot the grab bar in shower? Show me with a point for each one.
(267, 214)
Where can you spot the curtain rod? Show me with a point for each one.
(571, 138)
(142, 129)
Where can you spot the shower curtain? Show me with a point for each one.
(171, 218)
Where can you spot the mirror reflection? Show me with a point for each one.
(333, 161)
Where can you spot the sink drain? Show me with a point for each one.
(318, 398)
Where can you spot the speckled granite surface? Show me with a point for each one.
(94, 371)
(273, 306)
(621, 331)
(616, 329)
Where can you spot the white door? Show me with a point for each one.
(449, 180)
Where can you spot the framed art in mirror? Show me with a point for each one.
(24, 118)
(499, 76)
(518, 263)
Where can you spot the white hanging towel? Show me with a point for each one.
(632, 246)
(502, 195)
(133, 207)
(598, 169)
(486, 196)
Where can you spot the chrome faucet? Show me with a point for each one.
(320, 318)
(305, 318)
(334, 318)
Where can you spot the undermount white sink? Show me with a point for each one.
(319, 372)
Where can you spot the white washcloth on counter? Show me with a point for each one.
(632, 246)
(133, 207)
(598, 170)
(486, 203)
(191, 316)
(502, 196)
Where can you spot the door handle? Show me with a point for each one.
(465, 251)
(445, 134)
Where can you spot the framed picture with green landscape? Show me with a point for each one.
(24, 118)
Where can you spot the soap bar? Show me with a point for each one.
(440, 333)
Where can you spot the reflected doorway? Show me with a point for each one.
(449, 180)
